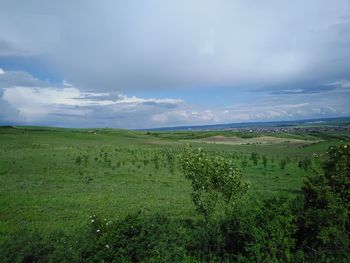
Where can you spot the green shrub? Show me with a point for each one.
(264, 233)
(337, 172)
(136, 239)
(323, 219)
(28, 246)
(212, 180)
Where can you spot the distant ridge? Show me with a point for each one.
(336, 121)
(262, 124)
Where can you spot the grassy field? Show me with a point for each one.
(235, 140)
(54, 179)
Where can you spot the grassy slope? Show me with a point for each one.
(43, 187)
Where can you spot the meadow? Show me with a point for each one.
(55, 179)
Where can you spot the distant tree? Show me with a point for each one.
(283, 164)
(264, 161)
(78, 160)
(300, 164)
(233, 156)
(305, 164)
(244, 164)
(156, 162)
(288, 160)
(171, 162)
(254, 157)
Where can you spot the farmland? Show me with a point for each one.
(54, 179)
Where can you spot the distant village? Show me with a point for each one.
(311, 129)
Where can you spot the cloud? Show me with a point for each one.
(66, 84)
(182, 44)
(184, 116)
(39, 103)
(66, 105)
(246, 113)
(29, 101)
(27, 34)
(312, 88)
(143, 64)
(343, 84)
(19, 78)
(307, 90)
(293, 91)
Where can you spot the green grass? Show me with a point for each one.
(45, 186)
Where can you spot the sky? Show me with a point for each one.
(157, 63)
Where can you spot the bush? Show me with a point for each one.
(212, 180)
(136, 239)
(28, 246)
(323, 219)
(337, 172)
(262, 234)
(322, 222)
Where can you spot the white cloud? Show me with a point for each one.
(66, 84)
(124, 99)
(345, 84)
(69, 106)
(39, 103)
(2, 71)
(184, 116)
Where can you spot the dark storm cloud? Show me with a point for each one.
(123, 45)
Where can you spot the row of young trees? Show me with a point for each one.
(112, 160)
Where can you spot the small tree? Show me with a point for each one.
(264, 162)
(283, 164)
(244, 164)
(254, 157)
(212, 180)
(305, 164)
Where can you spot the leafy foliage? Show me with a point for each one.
(254, 157)
(264, 162)
(137, 238)
(212, 179)
(337, 172)
(324, 214)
